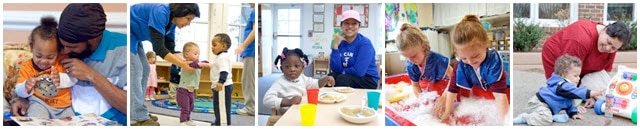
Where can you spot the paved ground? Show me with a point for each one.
(526, 83)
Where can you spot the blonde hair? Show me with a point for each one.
(470, 30)
(564, 63)
(187, 46)
(410, 36)
(151, 54)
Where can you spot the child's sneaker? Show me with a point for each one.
(520, 119)
(561, 118)
(147, 98)
(190, 123)
(183, 124)
(152, 98)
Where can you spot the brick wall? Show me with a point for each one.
(591, 11)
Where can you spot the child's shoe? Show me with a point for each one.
(152, 98)
(147, 98)
(561, 118)
(520, 119)
(190, 123)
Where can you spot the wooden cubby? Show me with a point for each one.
(164, 72)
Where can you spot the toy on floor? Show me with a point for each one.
(623, 88)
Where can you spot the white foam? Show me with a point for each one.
(419, 110)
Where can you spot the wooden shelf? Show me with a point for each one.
(321, 67)
(163, 69)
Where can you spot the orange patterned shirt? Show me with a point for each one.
(28, 70)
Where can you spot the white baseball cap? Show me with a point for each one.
(350, 14)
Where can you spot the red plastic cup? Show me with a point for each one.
(312, 96)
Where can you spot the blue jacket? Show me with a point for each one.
(154, 15)
(435, 69)
(490, 71)
(559, 94)
(360, 57)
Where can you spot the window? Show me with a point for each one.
(196, 32)
(522, 10)
(288, 28)
(237, 17)
(550, 10)
(548, 14)
(619, 12)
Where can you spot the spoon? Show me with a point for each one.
(361, 113)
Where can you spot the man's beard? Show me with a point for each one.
(82, 55)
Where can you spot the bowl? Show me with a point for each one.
(348, 113)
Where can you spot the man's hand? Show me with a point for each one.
(19, 107)
(78, 69)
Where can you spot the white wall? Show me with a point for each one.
(375, 30)
(448, 14)
(266, 39)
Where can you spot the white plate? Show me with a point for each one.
(331, 97)
(343, 89)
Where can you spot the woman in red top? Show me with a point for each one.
(594, 43)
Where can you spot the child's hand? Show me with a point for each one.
(439, 109)
(218, 87)
(582, 109)
(595, 93)
(327, 81)
(205, 65)
(55, 76)
(417, 90)
(575, 117)
(444, 117)
(31, 82)
(295, 100)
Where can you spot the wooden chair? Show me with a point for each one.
(274, 117)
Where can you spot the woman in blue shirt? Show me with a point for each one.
(353, 61)
(154, 22)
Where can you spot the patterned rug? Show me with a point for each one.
(202, 105)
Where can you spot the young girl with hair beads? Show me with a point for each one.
(289, 89)
(479, 79)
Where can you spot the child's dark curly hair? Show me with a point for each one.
(287, 52)
(224, 40)
(45, 31)
(566, 62)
